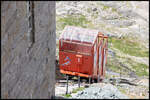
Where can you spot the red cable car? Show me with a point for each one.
(83, 52)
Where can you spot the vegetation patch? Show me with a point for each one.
(129, 47)
(140, 69)
(89, 10)
(105, 7)
(114, 10)
(122, 90)
(72, 20)
(67, 95)
(114, 66)
(78, 89)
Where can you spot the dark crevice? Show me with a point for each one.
(31, 26)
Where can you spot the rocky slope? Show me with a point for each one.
(125, 22)
(124, 17)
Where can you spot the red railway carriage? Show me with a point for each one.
(82, 52)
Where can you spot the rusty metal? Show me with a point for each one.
(83, 52)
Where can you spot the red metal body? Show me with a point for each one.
(83, 58)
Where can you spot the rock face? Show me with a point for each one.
(119, 20)
(119, 17)
(28, 57)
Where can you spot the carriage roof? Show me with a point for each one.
(79, 34)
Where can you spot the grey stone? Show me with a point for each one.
(28, 72)
(108, 91)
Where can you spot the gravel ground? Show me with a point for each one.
(100, 91)
(60, 89)
(105, 90)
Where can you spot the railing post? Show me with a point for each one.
(67, 84)
(79, 81)
(89, 80)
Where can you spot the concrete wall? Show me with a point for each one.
(27, 71)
